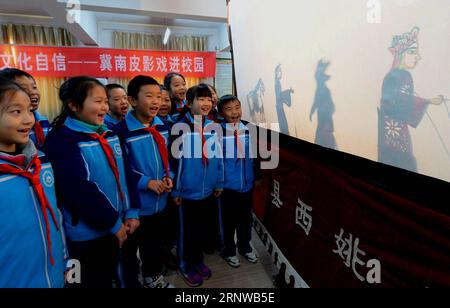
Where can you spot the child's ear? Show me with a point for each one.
(72, 107)
(132, 101)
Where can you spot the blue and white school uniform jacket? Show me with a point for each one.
(239, 173)
(178, 110)
(45, 124)
(24, 254)
(143, 162)
(110, 122)
(194, 180)
(169, 119)
(86, 187)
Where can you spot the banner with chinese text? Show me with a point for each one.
(104, 63)
(344, 221)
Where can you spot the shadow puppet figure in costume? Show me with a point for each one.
(323, 104)
(282, 97)
(400, 106)
(256, 104)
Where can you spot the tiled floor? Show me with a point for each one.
(259, 275)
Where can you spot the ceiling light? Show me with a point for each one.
(166, 36)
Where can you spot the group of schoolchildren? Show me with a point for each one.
(103, 185)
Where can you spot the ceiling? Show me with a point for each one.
(201, 14)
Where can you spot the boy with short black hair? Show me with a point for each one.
(236, 207)
(144, 138)
(118, 104)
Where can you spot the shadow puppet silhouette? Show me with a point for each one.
(256, 103)
(282, 97)
(323, 104)
(400, 106)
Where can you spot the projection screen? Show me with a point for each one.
(369, 78)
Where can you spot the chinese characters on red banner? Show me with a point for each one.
(347, 247)
(100, 62)
(349, 250)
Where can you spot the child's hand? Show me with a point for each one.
(132, 225)
(217, 193)
(122, 235)
(169, 184)
(158, 187)
(177, 200)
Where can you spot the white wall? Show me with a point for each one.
(106, 29)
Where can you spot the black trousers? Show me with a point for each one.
(129, 262)
(194, 225)
(98, 260)
(150, 239)
(213, 240)
(172, 220)
(237, 218)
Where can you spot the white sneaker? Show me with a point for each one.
(251, 257)
(233, 261)
(157, 282)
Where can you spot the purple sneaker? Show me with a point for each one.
(192, 278)
(203, 271)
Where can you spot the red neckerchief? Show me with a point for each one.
(204, 156)
(237, 142)
(180, 106)
(39, 132)
(110, 157)
(161, 142)
(240, 151)
(35, 179)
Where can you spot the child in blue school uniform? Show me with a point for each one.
(27, 82)
(144, 137)
(118, 104)
(175, 83)
(214, 114)
(166, 106)
(90, 181)
(240, 170)
(170, 260)
(215, 242)
(199, 182)
(31, 235)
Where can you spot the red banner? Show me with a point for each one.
(336, 229)
(104, 63)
